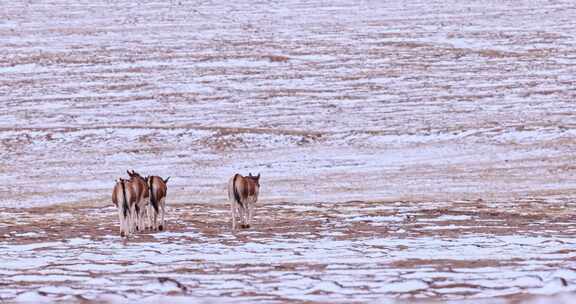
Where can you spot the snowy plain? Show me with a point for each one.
(390, 106)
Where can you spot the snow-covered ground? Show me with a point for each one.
(354, 251)
(331, 101)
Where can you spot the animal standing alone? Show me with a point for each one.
(158, 189)
(243, 194)
(124, 198)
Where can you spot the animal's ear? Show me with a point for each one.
(130, 173)
(258, 177)
(250, 174)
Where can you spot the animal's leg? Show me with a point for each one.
(244, 215)
(124, 222)
(136, 210)
(155, 218)
(145, 217)
(136, 217)
(242, 209)
(233, 213)
(121, 220)
(162, 213)
(250, 213)
(128, 220)
(247, 215)
(142, 215)
(131, 220)
(132, 223)
(240, 214)
(149, 216)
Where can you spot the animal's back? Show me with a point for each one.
(239, 188)
(140, 187)
(131, 195)
(159, 187)
(231, 187)
(115, 195)
(249, 189)
(124, 197)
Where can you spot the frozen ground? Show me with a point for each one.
(335, 252)
(421, 102)
(334, 100)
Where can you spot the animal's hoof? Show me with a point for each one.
(245, 226)
(122, 234)
(160, 227)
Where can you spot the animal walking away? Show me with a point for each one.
(158, 190)
(140, 187)
(124, 198)
(243, 195)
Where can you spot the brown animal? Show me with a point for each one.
(140, 187)
(124, 198)
(243, 194)
(158, 190)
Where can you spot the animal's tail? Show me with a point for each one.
(152, 198)
(125, 206)
(235, 191)
(167, 179)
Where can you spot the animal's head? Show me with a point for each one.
(255, 178)
(134, 174)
